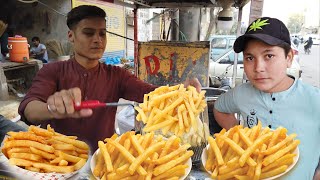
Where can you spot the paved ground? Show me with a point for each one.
(9, 108)
(310, 65)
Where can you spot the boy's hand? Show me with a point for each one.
(61, 104)
(193, 82)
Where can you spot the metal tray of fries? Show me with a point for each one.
(204, 158)
(273, 151)
(152, 154)
(43, 154)
(25, 174)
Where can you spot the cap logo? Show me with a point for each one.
(258, 24)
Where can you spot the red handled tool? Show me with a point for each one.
(90, 104)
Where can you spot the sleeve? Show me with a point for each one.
(227, 103)
(44, 84)
(43, 46)
(132, 88)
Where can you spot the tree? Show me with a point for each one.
(295, 23)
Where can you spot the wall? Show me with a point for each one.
(115, 21)
(38, 20)
(146, 31)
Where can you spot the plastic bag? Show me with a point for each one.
(126, 118)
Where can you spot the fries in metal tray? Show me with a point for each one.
(256, 153)
(144, 157)
(45, 151)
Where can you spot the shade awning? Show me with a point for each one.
(174, 3)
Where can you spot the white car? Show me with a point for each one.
(223, 67)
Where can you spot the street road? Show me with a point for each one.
(310, 65)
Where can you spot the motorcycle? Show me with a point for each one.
(222, 81)
(307, 50)
(307, 46)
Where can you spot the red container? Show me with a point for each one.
(18, 49)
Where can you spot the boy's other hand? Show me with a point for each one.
(193, 82)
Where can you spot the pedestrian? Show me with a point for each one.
(307, 45)
(271, 96)
(60, 85)
(39, 51)
(296, 41)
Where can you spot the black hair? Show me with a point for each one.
(285, 46)
(82, 12)
(35, 39)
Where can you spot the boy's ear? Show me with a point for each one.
(290, 58)
(71, 36)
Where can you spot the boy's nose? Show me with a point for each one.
(259, 66)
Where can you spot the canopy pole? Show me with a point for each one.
(234, 75)
(135, 37)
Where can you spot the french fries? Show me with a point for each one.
(243, 153)
(144, 157)
(175, 110)
(45, 151)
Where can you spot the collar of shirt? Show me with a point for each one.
(280, 95)
(83, 70)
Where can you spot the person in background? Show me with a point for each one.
(271, 96)
(301, 40)
(6, 125)
(296, 41)
(7, 10)
(39, 51)
(307, 45)
(60, 85)
(4, 43)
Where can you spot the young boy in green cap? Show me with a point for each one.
(271, 96)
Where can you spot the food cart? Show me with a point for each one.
(169, 69)
(163, 72)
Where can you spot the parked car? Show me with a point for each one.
(223, 66)
(220, 44)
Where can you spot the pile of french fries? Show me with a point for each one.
(250, 154)
(174, 111)
(45, 151)
(142, 157)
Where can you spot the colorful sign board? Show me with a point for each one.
(163, 63)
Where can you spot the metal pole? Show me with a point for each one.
(174, 33)
(234, 75)
(135, 37)
(256, 9)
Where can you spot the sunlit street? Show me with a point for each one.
(310, 65)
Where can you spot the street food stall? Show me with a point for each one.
(158, 157)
